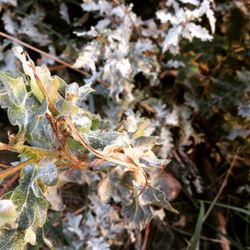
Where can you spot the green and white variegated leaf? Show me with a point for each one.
(31, 206)
(136, 213)
(15, 87)
(99, 139)
(25, 111)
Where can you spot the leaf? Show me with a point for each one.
(30, 236)
(73, 224)
(198, 32)
(154, 196)
(88, 56)
(99, 139)
(137, 214)
(47, 172)
(105, 189)
(172, 38)
(15, 86)
(28, 27)
(98, 244)
(7, 212)
(31, 207)
(9, 25)
(194, 2)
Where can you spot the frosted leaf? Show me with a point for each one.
(175, 64)
(167, 145)
(28, 28)
(9, 25)
(73, 224)
(64, 12)
(211, 19)
(97, 244)
(199, 32)
(166, 17)
(88, 57)
(102, 24)
(91, 33)
(172, 38)
(194, 2)
(124, 67)
(103, 6)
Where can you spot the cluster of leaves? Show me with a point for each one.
(167, 67)
(60, 132)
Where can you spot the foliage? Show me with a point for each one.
(170, 81)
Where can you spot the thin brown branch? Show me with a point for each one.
(7, 147)
(102, 155)
(55, 58)
(8, 185)
(146, 235)
(223, 185)
(11, 170)
(42, 88)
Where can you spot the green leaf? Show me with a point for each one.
(31, 206)
(99, 139)
(15, 86)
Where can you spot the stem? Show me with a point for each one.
(11, 170)
(41, 52)
(223, 185)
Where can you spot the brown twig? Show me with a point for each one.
(9, 184)
(76, 135)
(223, 185)
(11, 170)
(55, 58)
(41, 85)
(146, 235)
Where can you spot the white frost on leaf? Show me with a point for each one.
(88, 57)
(198, 32)
(182, 24)
(9, 25)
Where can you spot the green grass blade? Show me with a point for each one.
(237, 209)
(197, 232)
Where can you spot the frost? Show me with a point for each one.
(182, 24)
(9, 25)
(88, 57)
(28, 28)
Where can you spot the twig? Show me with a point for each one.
(79, 211)
(9, 184)
(202, 237)
(42, 52)
(55, 58)
(146, 235)
(223, 185)
(129, 164)
(41, 87)
(12, 170)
